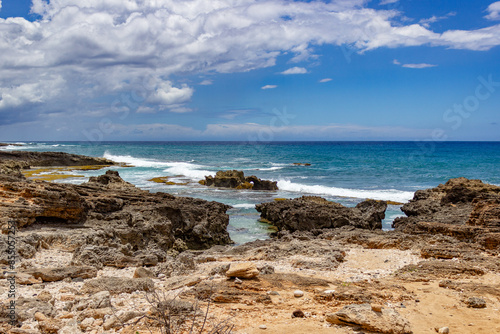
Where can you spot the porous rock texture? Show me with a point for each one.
(468, 210)
(311, 212)
(107, 221)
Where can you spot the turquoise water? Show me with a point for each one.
(346, 172)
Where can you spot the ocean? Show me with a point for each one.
(345, 172)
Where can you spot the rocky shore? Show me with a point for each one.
(107, 257)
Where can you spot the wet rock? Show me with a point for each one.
(237, 180)
(116, 285)
(388, 321)
(243, 270)
(310, 212)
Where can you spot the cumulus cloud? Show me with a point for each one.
(166, 95)
(325, 80)
(295, 70)
(131, 51)
(493, 11)
(268, 87)
(206, 82)
(0, 4)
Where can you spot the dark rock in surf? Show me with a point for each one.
(310, 212)
(236, 179)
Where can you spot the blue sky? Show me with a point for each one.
(249, 70)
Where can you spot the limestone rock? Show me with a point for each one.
(100, 221)
(311, 212)
(60, 273)
(475, 302)
(462, 208)
(388, 321)
(242, 270)
(143, 272)
(116, 285)
(27, 307)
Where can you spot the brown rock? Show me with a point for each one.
(311, 212)
(143, 272)
(388, 321)
(117, 285)
(60, 273)
(242, 270)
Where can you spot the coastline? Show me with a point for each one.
(424, 273)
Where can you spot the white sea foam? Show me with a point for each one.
(138, 162)
(193, 171)
(268, 168)
(386, 194)
(244, 206)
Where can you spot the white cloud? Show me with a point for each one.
(493, 11)
(433, 19)
(421, 65)
(103, 50)
(295, 70)
(387, 2)
(0, 4)
(268, 87)
(325, 80)
(166, 95)
(206, 82)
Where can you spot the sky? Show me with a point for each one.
(250, 70)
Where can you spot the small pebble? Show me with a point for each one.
(298, 293)
(298, 314)
(237, 281)
(263, 327)
(444, 330)
(273, 293)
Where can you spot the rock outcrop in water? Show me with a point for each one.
(468, 210)
(310, 212)
(236, 179)
(107, 220)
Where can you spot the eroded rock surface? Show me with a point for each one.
(236, 179)
(311, 212)
(107, 221)
(464, 209)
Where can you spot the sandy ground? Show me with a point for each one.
(425, 304)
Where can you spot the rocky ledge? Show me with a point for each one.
(49, 159)
(236, 179)
(107, 221)
(311, 212)
(468, 210)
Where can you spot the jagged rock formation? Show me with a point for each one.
(311, 212)
(107, 221)
(468, 210)
(236, 179)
